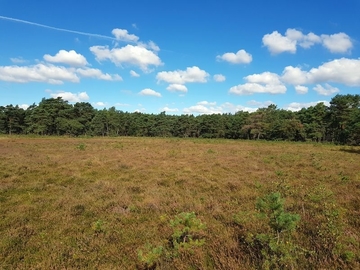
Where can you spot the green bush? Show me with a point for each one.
(187, 231)
(272, 248)
(149, 257)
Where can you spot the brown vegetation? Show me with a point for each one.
(92, 203)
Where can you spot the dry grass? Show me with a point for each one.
(93, 202)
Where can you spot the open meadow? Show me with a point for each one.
(167, 203)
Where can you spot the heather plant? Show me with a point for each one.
(63, 208)
(325, 227)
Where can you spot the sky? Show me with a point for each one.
(181, 57)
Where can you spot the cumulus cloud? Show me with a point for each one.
(265, 82)
(45, 73)
(71, 97)
(133, 55)
(97, 74)
(206, 103)
(203, 108)
(134, 74)
(24, 106)
(344, 71)
(259, 104)
(123, 35)
(328, 90)
(167, 109)
(300, 89)
(233, 108)
(48, 73)
(99, 104)
(241, 57)
(255, 88)
(294, 75)
(305, 41)
(219, 78)
(264, 78)
(149, 92)
(71, 58)
(278, 43)
(337, 43)
(206, 107)
(177, 88)
(190, 75)
(296, 106)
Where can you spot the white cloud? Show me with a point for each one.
(99, 104)
(328, 90)
(206, 107)
(177, 87)
(219, 78)
(71, 97)
(150, 45)
(134, 74)
(141, 110)
(259, 104)
(71, 58)
(232, 108)
(202, 109)
(18, 60)
(24, 106)
(296, 106)
(241, 57)
(255, 88)
(123, 35)
(45, 73)
(264, 78)
(122, 104)
(305, 41)
(167, 109)
(343, 70)
(206, 103)
(48, 73)
(265, 82)
(96, 73)
(190, 75)
(149, 92)
(300, 89)
(337, 43)
(133, 55)
(294, 75)
(277, 43)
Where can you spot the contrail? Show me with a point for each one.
(56, 28)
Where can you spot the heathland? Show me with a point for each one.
(170, 203)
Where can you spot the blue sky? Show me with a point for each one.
(182, 57)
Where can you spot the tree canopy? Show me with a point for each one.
(337, 123)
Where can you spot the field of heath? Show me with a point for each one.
(161, 203)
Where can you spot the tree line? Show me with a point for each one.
(338, 123)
